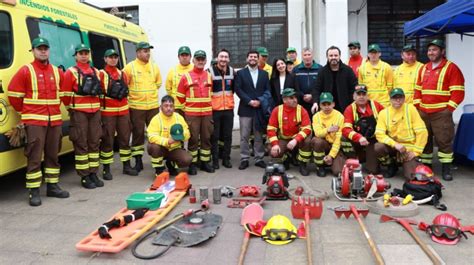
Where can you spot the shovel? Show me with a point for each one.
(251, 214)
(310, 208)
(406, 223)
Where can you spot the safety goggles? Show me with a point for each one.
(421, 177)
(279, 235)
(445, 231)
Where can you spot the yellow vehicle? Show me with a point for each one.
(65, 23)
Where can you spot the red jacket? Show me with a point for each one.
(111, 106)
(352, 113)
(288, 123)
(34, 92)
(354, 63)
(70, 99)
(195, 91)
(439, 88)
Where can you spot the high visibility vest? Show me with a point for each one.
(379, 81)
(372, 106)
(222, 94)
(280, 121)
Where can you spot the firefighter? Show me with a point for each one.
(406, 74)
(167, 133)
(377, 75)
(327, 128)
(222, 107)
(360, 119)
(175, 74)
(144, 83)
(289, 127)
(115, 116)
(262, 61)
(194, 91)
(81, 90)
(401, 135)
(355, 59)
(292, 55)
(34, 93)
(439, 91)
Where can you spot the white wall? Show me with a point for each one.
(296, 25)
(358, 29)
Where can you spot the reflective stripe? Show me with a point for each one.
(51, 180)
(192, 109)
(189, 80)
(280, 120)
(435, 92)
(15, 94)
(196, 100)
(81, 157)
(49, 170)
(441, 76)
(41, 117)
(34, 175)
(82, 166)
(41, 101)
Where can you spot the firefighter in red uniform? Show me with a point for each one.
(34, 93)
(438, 92)
(355, 59)
(360, 120)
(115, 116)
(222, 107)
(289, 127)
(81, 90)
(194, 91)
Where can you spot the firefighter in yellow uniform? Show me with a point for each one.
(406, 74)
(175, 74)
(401, 135)
(377, 75)
(143, 83)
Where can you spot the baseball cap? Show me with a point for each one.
(291, 49)
(409, 47)
(262, 51)
(438, 43)
(288, 92)
(143, 45)
(361, 88)
(110, 52)
(326, 97)
(184, 50)
(200, 54)
(374, 47)
(40, 41)
(177, 132)
(82, 47)
(354, 43)
(397, 92)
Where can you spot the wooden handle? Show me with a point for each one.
(308, 238)
(425, 248)
(372, 245)
(243, 249)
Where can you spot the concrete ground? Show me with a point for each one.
(48, 234)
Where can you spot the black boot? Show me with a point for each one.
(138, 163)
(128, 169)
(98, 183)
(171, 168)
(106, 172)
(226, 163)
(286, 163)
(159, 170)
(303, 169)
(87, 182)
(446, 171)
(53, 190)
(215, 163)
(206, 166)
(34, 195)
(321, 171)
(192, 170)
(391, 170)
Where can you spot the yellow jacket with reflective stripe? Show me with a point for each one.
(321, 123)
(378, 79)
(172, 81)
(403, 126)
(405, 77)
(159, 130)
(144, 81)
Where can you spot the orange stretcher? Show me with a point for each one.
(125, 235)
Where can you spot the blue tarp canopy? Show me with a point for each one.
(455, 16)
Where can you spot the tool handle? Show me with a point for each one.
(308, 238)
(243, 249)
(425, 247)
(372, 245)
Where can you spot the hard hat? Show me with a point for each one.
(279, 231)
(423, 173)
(445, 229)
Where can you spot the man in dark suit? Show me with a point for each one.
(253, 88)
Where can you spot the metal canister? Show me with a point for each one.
(216, 195)
(203, 193)
(192, 195)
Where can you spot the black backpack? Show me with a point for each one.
(88, 84)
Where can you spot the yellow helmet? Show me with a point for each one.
(279, 231)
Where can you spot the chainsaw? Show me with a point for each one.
(277, 182)
(351, 185)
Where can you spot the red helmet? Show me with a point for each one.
(423, 172)
(445, 229)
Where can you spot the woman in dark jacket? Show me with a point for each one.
(280, 80)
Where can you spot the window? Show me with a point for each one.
(6, 40)
(99, 44)
(130, 50)
(62, 40)
(243, 25)
(385, 26)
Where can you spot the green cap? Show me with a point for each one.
(143, 45)
(39, 42)
(291, 49)
(326, 97)
(354, 44)
(409, 47)
(360, 88)
(396, 92)
(184, 50)
(82, 47)
(200, 54)
(438, 43)
(110, 52)
(177, 132)
(262, 51)
(374, 47)
(288, 92)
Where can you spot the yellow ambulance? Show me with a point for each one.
(65, 23)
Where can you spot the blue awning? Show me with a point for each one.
(455, 16)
